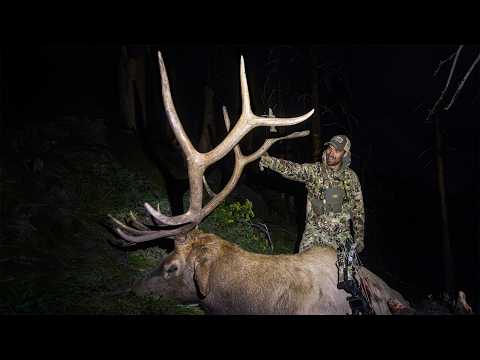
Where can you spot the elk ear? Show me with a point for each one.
(201, 276)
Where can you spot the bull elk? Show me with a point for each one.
(221, 276)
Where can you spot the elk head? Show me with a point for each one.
(184, 273)
(188, 264)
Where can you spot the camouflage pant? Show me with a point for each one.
(341, 242)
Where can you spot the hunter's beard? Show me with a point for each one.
(333, 161)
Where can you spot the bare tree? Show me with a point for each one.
(476, 181)
(448, 259)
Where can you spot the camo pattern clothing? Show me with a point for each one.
(334, 199)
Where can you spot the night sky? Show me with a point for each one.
(388, 89)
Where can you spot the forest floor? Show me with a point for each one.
(58, 254)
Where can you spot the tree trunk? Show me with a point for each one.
(149, 87)
(446, 246)
(3, 87)
(476, 180)
(156, 116)
(315, 119)
(123, 87)
(208, 133)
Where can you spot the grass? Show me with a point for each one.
(56, 252)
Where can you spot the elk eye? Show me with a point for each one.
(172, 269)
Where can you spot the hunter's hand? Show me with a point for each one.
(263, 158)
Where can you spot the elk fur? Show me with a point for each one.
(226, 279)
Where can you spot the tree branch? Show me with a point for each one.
(463, 82)
(452, 69)
(442, 62)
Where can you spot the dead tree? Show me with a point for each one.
(440, 163)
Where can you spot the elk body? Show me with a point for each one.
(226, 279)
(220, 275)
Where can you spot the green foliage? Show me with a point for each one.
(232, 221)
(236, 212)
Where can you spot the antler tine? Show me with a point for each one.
(210, 192)
(246, 108)
(226, 118)
(128, 228)
(168, 220)
(269, 142)
(139, 236)
(138, 225)
(172, 116)
(240, 162)
(155, 220)
(193, 158)
(277, 121)
(195, 161)
(154, 234)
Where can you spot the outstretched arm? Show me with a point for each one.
(288, 169)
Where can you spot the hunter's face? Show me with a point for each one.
(334, 156)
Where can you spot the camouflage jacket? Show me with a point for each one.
(318, 178)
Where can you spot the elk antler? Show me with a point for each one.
(198, 162)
